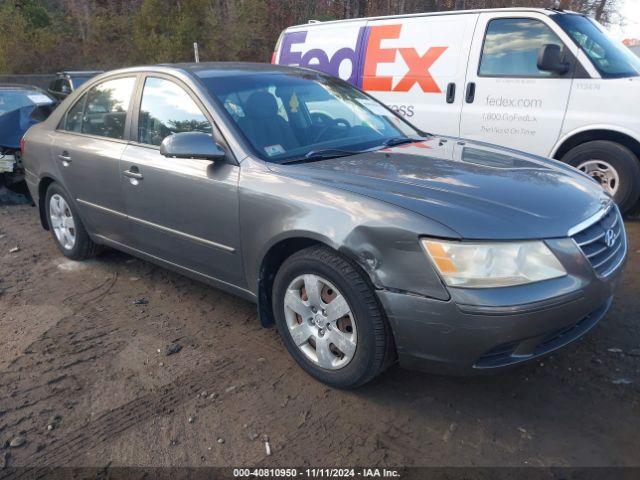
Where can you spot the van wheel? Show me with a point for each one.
(613, 166)
(329, 319)
(66, 227)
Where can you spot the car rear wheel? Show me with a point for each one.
(66, 227)
(613, 166)
(329, 318)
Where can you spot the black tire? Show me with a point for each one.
(620, 158)
(375, 348)
(84, 248)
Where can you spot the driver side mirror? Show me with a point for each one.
(550, 59)
(196, 145)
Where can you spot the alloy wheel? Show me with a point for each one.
(320, 321)
(62, 221)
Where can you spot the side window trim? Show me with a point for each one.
(567, 52)
(137, 104)
(135, 134)
(62, 124)
(86, 87)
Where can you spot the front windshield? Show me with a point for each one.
(611, 58)
(11, 99)
(292, 116)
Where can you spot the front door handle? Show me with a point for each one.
(134, 175)
(471, 92)
(451, 92)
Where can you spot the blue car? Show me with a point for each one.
(21, 106)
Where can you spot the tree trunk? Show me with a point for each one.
(600, 9)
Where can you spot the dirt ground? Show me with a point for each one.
(85, 380)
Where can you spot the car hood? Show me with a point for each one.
(478, 190)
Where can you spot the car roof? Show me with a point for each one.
(214, 69)
(80, 72)
(210, 69)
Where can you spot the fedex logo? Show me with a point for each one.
(367, 59)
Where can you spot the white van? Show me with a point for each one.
(544, 81)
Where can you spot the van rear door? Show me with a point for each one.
(508, 100)
(417, 66)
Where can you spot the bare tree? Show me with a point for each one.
(600, 9)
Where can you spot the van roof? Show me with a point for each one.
(545, 11)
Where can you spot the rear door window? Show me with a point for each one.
(511, 47)
(166, 108)
(106, 108)
(102, 111)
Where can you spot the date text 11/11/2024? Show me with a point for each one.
(316, 473)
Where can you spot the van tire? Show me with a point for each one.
(83, 247)
(623, 161)
(374, 348)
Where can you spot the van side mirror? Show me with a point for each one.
(197, 145)
(550, 59)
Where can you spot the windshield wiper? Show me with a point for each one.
(394, 141)
(325, 154)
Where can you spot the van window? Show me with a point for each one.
(102, 111)
(166, 109)
(511, 47)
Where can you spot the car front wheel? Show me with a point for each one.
(329, 318)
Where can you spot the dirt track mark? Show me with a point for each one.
(109, 424)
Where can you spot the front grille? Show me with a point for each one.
(592, 240)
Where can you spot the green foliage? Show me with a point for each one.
(44, 36)
(36, 15)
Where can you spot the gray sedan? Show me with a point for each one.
(363, 239)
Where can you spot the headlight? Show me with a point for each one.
(497, 264)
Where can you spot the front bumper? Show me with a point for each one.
(480, 330)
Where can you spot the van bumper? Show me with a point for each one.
(446, 337)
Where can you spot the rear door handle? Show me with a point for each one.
(451, 92)
(65, 158)
(132, 174)
(471, 92)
